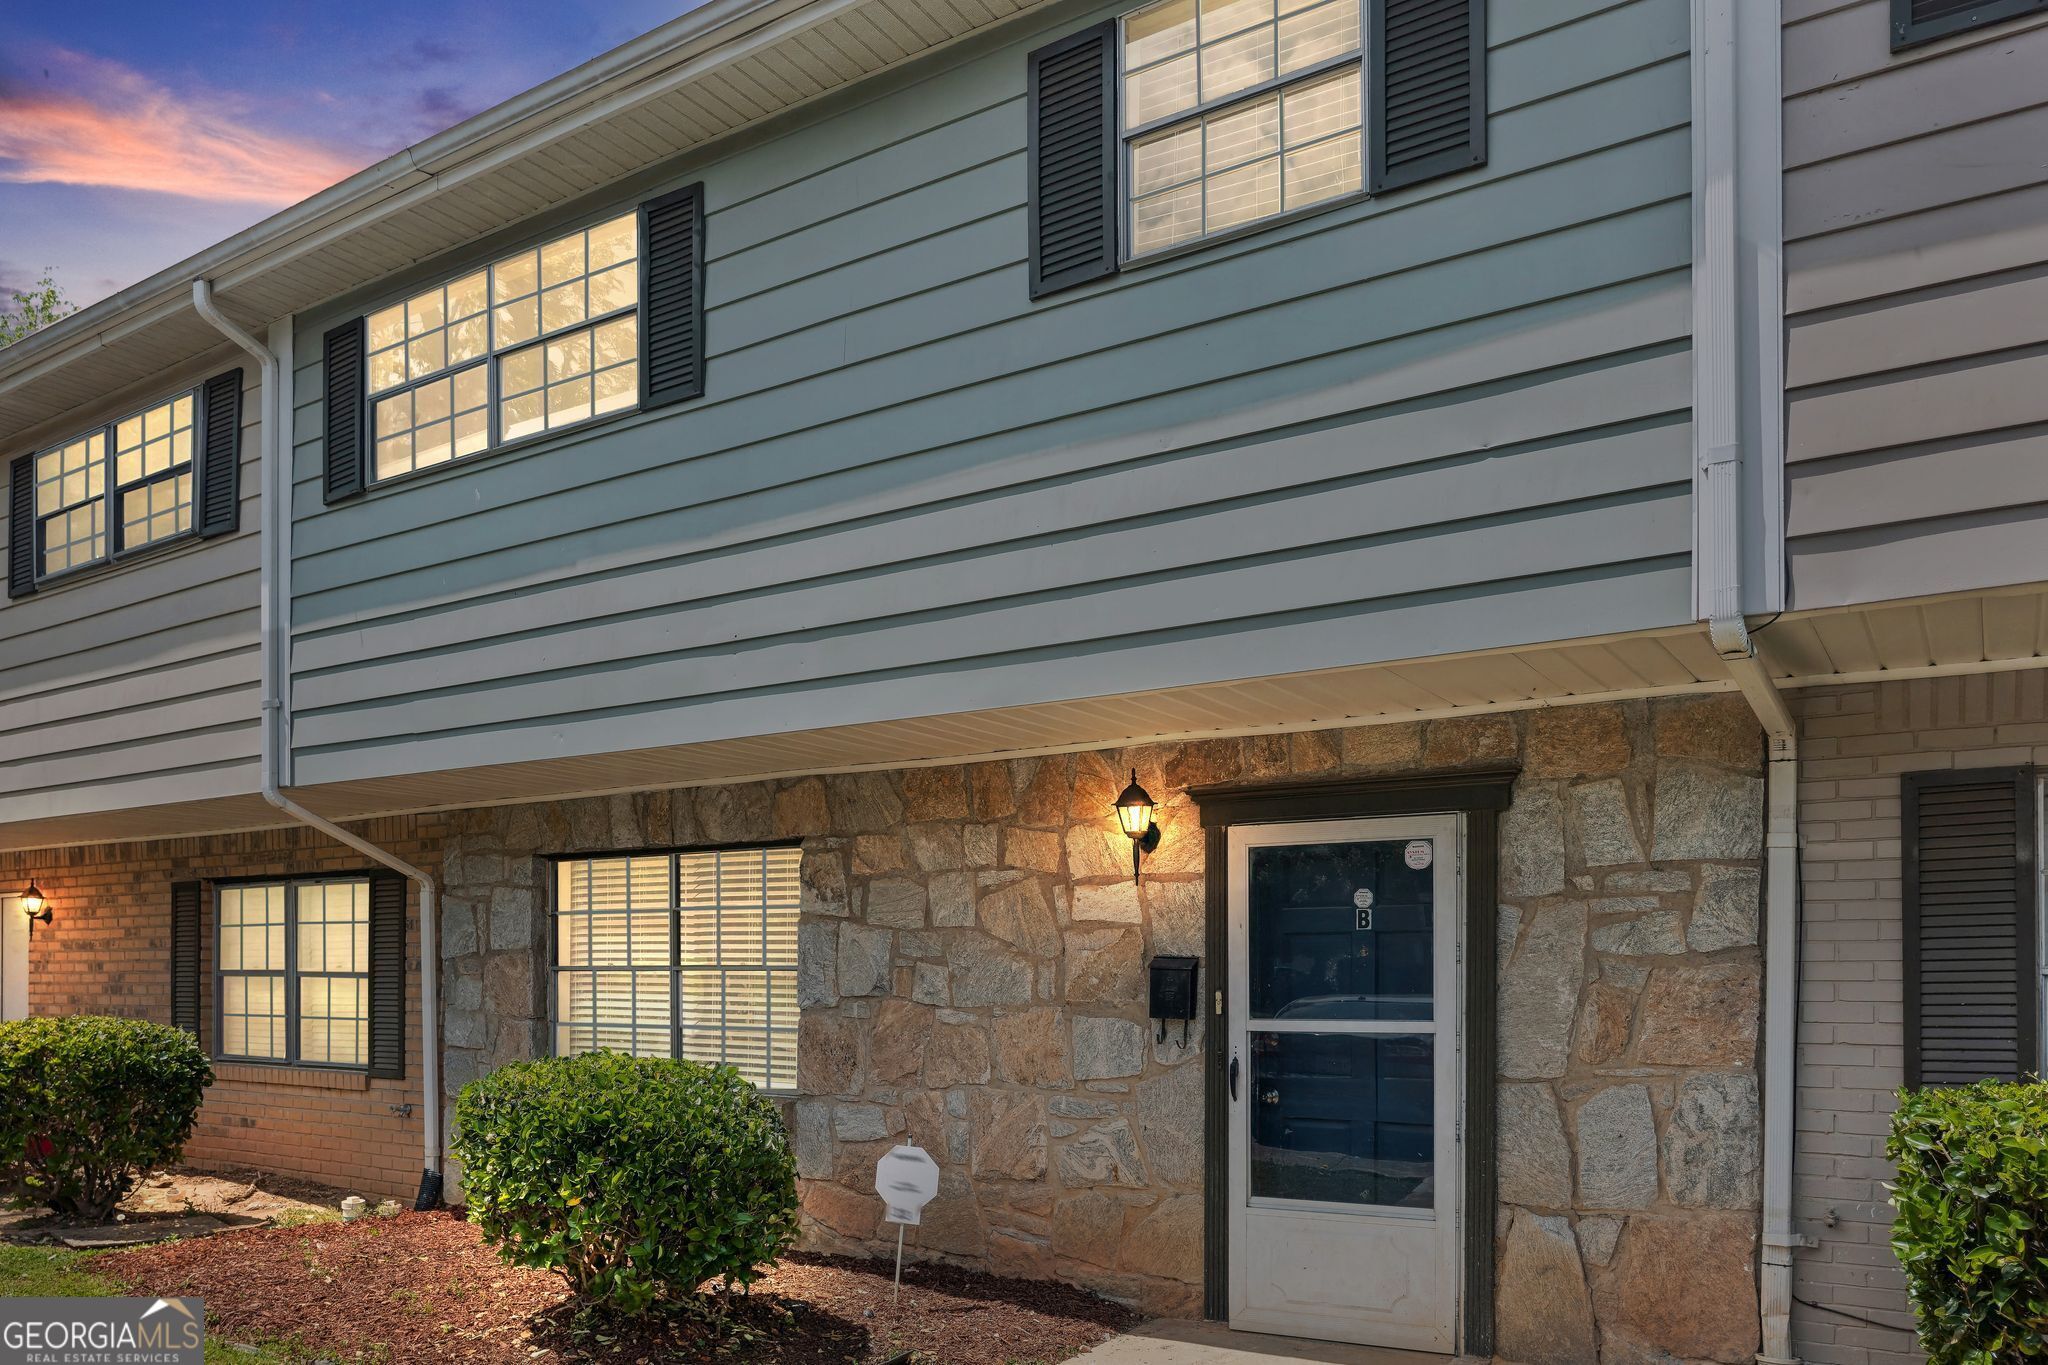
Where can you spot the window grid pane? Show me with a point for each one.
(292, 960)
(153, 472)
(433, 400)
(692, 954)
(1235, 161)
(70, 503)
(570, 379)
(150, 481)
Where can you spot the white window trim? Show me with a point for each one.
(1126, 252)
(494, 440)
(110, 491)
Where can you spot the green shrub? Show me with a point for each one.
(638, 1179)
(1972, 1202)
(91, 1104)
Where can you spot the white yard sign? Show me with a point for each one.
(907, 1179)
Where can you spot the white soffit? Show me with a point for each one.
(1653, 664)
(1958, 633)
(1971, 633)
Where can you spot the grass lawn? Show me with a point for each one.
(53, 1272)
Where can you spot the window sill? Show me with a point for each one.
(537, 443)
(86, 573)
(312, 1077)
(1241, 231)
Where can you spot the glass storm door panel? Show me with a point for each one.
(1343, 1007)
(13, 959)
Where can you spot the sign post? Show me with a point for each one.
(907, 1178)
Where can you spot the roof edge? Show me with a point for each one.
(700, 32)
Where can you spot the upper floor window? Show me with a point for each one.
(1234, 111)
(680, 955)
(539, 340)
(150, 455)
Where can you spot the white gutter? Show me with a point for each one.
(700, 40)
(1737, 156)
(274, 512)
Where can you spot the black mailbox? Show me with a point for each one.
(1173, 993)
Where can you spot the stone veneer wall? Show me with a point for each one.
(973, 952)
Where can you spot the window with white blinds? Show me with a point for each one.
(680, 954)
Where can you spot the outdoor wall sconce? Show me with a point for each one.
(35, 907)
(1134, 809)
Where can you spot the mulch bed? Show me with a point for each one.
(423, 1287)
(164, 1202)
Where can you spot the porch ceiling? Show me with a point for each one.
(1980, 632)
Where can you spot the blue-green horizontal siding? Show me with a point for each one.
(909, 489)
(137, 685)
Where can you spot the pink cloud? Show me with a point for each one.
(116, 128)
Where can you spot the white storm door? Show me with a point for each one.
(1345, 1095)
(13, 959)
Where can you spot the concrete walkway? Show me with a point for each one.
(1169, 1342)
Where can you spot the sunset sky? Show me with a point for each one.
(134, 134)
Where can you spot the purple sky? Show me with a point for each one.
(135, 133)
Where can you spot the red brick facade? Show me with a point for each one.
(107, 951)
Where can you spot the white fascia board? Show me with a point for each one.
(683, 49)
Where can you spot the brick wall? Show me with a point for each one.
(1855, 742)
(108, 952)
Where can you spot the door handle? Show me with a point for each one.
(1233, 1080)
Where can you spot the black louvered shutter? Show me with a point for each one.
(346, 432)
(185, 992)
(1429, 87)
(1072, 164)
(1922, 21)
(672, 297)
(21, 526)
(1970, 972)
(387, 975)
(220, 454)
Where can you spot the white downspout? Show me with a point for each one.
(1729, 266)
(274, 539)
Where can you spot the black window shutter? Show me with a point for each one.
(220, 454)
(387, 975)
(1428, 83)
(185, 991)
(1970, 973)
(1922, 21)
(1072, 163)
(672, 297)
(21, 526)
(346, 432)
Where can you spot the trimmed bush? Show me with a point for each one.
(91, 1104)
(638, 1179)
(1972, 1202)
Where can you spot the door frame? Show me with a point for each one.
(1479, 795)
